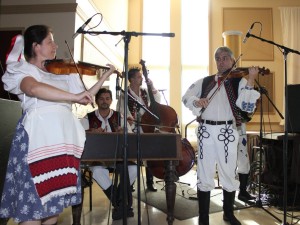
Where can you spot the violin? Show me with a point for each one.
(238, 72)
(243, 71)
(63, 67)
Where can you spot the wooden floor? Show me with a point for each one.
(150, 215)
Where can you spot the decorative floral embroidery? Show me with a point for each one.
(202, 133)
(247, 106)
(226, 136)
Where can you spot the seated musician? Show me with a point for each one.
(142, 95)
(102, 120)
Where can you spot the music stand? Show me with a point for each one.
(127, 37)
(285, 52)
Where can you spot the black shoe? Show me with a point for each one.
(203, 220)
(130, 212)
(245, 196)
(132, 188)
(231, 219)
(117, 213)
(151, 187)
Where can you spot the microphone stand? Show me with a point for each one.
(126, 37)
(285, 52)
(262, 92)
(139, 105)
(162, 92)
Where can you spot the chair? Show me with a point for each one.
(87, 181)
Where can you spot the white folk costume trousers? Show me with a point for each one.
(101, 175)
(217, 145)
(243, 156)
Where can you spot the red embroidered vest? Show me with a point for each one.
(132, 104)
(94, 122)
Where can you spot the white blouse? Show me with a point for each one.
(15, 73)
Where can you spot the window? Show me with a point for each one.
(194, 45)
(156, 49)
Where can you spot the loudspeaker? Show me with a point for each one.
(293, 124)
(273, 164)
(10, 112)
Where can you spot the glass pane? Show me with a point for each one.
(194, 32)
(189, 77)
(156, 49)
(194, 47)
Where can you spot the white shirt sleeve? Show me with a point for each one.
(247, 97)
(193, 94)
(15, 73)
(75, 84)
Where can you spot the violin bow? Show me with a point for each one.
(80, 75)
(215, 92)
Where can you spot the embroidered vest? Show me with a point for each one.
(231, 86)
(132, 104)
(245, 117)
(94, 122)
(207, 85)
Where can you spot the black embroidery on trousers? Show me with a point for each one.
(202, 133)
(226, 135)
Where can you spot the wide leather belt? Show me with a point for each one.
(211, 122)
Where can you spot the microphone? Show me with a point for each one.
(162, 90)
(80, 29)
(248, 33)
(118, 88)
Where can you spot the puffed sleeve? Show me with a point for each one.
(247, 97)
(16, 67)
(193, 94)
(15, 73)
(75, 84)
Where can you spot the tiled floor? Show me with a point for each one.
(150, 215)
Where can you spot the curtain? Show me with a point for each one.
(290, 23)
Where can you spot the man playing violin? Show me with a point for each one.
(136, 79)
(219, 112)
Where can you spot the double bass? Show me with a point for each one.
(167, 122)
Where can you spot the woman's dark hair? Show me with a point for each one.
(34, 34)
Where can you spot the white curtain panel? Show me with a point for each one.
(290, 23)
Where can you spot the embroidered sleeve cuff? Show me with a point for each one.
(248, 107)
(194, 104)
(247, 87)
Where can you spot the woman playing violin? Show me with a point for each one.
(219, 118)
(43, 167)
